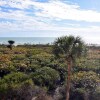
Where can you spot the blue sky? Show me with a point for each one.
(50, 18)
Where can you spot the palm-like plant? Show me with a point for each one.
(71, 48)
(11, 42)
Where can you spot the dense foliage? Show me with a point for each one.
(32, 71)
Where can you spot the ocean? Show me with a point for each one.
(28, 40)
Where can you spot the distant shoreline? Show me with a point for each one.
(34, 40)
(28, 40)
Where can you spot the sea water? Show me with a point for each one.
(28, 40)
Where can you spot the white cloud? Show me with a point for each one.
(45, 14)
(55, 9)
(21, 4)
(60, 10)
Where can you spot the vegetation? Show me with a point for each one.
(71, 48)
(11, 42)
(33, 72)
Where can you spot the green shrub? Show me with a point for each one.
(11, 84)
(46, 77)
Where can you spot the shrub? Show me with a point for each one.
(15, 85)
(46, 77)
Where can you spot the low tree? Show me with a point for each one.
(70, 48)
(11, 42)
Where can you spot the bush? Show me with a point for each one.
(14, 86)
(84, 85)
(46, 77)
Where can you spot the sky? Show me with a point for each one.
(50, 18)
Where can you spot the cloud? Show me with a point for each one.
(54, 9)
(21, 4)
(48, 19)
(60, 10)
